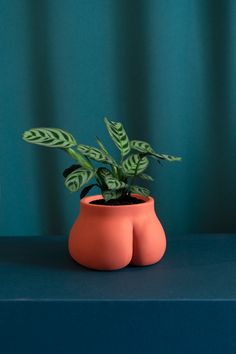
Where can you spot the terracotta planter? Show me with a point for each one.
(111, 237)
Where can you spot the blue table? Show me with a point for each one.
(185, 304)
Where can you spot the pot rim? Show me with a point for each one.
(86, 201)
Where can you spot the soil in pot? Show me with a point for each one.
(127, 200)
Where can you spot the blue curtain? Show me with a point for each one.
(165, 68)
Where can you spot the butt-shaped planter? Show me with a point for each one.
(111, 237)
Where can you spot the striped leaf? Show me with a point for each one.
(104, 150)
(144, 147)
(118, 135)
(146, 177)
(70, 169)
(140, 145)
(78, 178)
(134, 164)
(108, 195)
(110, 181)
(114, 184)
(166, 157)
(94, 153)
(50, 137)
(140, 190)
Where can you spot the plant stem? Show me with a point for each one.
(84, 162)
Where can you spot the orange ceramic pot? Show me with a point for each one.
(111, 237)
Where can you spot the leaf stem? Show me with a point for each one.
(84, 162)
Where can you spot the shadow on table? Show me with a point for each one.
(52, 253)
(37, 252)
(48, 253)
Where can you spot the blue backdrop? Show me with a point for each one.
(165, 68)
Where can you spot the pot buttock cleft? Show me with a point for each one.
(111, 237)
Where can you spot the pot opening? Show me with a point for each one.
(127, 200)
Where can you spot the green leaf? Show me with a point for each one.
(94, 153)
(70, 169)
(108, 195)
(82, 160)
(140, 190)
(110, 181)
(144, 147)
(146, 177)
(134, 164)
(78, 178)
(165, 157)
(50, 137)
(140, 145)
(118, 135)
(86, 189)
(104, 150)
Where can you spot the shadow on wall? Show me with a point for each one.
(211, 193)
(215, 26)
(43, 114)
(132, 86)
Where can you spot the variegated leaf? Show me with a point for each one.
(134, 165)
(70, 169)
(140, 145)
(78, 178)
(166, 157)
(94, 153)
(118, 135)
(50, 137)
(110, 181)
(108, 195)
(140, 190)
(144, 147)
(104, 150)
(146, 177)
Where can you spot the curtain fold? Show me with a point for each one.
(165, 68)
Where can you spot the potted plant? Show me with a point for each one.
(119, 226)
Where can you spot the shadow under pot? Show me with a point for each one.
(106, 237)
